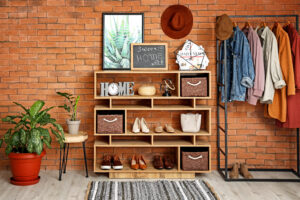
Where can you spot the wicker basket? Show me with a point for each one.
(194, 87)
(194, 161)
(109, 124)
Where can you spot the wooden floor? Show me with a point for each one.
(74, 184)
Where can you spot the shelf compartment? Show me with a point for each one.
(102, 141)
(108, 112)
(178, 132)
(171, 117)
(131, 103)
(147, 77)
(197, 75)
(127, 141)
(173, 141)
(175, 102)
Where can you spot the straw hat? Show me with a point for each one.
(177, 21)
(224, 27)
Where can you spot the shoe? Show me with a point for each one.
(136, 128)
(158, 162)
(158, 129)
(168, 163)
(169, 129)
(106, 163)
(142, 163)
(144, 126)
(245, 172)
(117, 163)
(134, 162)
(234, 173)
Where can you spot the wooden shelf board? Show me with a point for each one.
(131, 107)
(100, 143)
(148, 97)
(126, 168)
(202, 143)
(176, 133)
(172, 142)
(151, 72)
(129, 143)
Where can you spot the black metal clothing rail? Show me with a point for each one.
(224, 130)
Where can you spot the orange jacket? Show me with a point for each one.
(278, 109)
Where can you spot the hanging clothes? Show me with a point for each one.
(257, 56)
(273, 75)
(240, 70)
(293, 101)
(278, 108)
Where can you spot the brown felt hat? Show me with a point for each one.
(224, 27)
(177, 21)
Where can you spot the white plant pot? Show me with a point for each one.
(73, 126)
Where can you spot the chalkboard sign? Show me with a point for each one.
(145, 56)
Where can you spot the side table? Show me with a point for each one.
(81, 137)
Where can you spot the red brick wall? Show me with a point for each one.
(54, 45)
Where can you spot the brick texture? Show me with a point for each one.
(55, 45)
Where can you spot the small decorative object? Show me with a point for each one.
(147, 90)
(194, 159)
(26, 140)
(194, 87)
(145, 56)
(190, 122)
(191, 57)
(109, 124)
(119, 31)
(73, 123)
(166, 87)
(113, 89)
(177, 21)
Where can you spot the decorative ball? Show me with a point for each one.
(147, 90)
(113, 89)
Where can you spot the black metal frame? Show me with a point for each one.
(224, 171)
(64, 160)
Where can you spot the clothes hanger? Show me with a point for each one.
(275, 24)
(247, 25)
(262, 24)
(287, 23)
(234, 24)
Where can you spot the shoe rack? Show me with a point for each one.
(155, 109)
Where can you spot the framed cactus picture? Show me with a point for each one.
(119, 31)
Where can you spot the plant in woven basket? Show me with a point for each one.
(31, 130)
(117, 44)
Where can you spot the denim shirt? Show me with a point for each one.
(239, 64)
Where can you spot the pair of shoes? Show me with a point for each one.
(138, 162)
(159, 162)
(243, 170)
(140, 124)
(168, 129)
(109, 161)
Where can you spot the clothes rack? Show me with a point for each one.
(224, 130)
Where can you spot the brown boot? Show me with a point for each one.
(234, 173)
(244, 171)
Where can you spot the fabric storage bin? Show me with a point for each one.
(194, 159)
(109, 124)
(194, 86)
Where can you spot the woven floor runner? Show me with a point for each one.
(150, 190)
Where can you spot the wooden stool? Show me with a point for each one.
(80, 137)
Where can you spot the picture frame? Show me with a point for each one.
(119, 31)
(149, 56)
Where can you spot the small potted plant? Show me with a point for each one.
(73, 123)
(25, 141)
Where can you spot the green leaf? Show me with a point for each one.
(30, 146)
(41, 114)
(22, 136)
(8, 149)
(7, 136)
(74, 116)
(26, 110)
(58, 137)
(15, 139)
(64, 94)
(60, 129)
(47, 143)
(36, 107)
(45, 134)
(1, 142)
(36, 141)
(67, 108)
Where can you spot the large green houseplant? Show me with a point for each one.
(26, 139)
(73, 122)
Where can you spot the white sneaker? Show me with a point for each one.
(144, 126)
(136, 128)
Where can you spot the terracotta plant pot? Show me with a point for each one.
(73, 126)
(25, 168)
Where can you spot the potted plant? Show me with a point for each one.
(73, 123)
(25, 141)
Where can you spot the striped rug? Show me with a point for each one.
(150, 190)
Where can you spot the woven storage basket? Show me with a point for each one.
(194, 161)
(194, 87)
(109, 124)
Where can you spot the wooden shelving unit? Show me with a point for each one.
(130, 105)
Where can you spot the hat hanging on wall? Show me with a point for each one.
(224, 27)
(177, 21)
